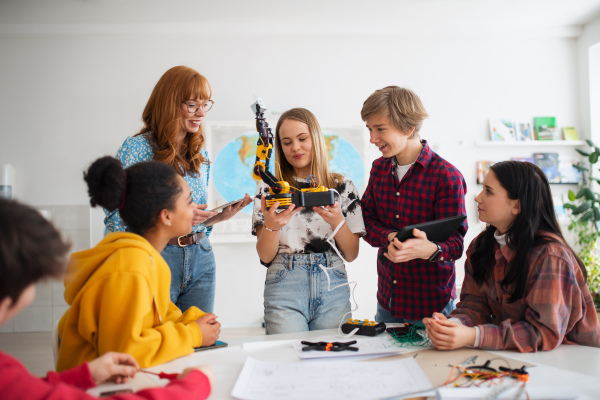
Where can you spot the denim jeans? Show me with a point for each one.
(384, 315)
(192, 275)
(297, 298)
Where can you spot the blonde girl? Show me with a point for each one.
(295, 242)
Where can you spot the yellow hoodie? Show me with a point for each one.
(119, 297)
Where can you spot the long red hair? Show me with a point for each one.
(162, 117)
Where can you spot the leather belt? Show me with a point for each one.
(186, 240)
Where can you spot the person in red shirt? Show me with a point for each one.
(31, 249)
(408, 185)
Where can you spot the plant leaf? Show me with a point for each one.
(582, 207)
(571, 195)
(596, 214)
(587, 216)
(587, 193)
(593, 158)
(590, 143)
(583, 153)
(581, 193)
(580, 167)
(569, 206)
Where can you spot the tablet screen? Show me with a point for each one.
(222, 206)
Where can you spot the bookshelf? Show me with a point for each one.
(563, 149)
(531, 143)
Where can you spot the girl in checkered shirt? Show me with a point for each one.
(524, 287)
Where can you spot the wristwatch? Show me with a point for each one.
(434, 257)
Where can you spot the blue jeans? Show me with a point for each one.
(192, 275)
(384, 315)
(296, 293)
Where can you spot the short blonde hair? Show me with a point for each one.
(402, 106)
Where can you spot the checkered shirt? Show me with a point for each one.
(557, 306)
(431, 189)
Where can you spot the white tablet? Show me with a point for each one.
(222, 206)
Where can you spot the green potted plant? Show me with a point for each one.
(585, 219)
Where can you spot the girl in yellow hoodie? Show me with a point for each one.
(119, 290)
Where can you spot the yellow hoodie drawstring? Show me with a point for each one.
(154, 296)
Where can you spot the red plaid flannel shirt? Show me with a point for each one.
(557, 307)
(431, 189)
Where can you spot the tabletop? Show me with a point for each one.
(568, 365)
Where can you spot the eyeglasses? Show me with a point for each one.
(193, 106)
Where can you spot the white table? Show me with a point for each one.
(569, 365)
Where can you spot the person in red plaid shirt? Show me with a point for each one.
(524, 287)
(410, 184)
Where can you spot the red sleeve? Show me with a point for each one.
(195, 385)
(79, 377)
(377, 232)
(17, 383)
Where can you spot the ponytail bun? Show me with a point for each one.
(106, 180)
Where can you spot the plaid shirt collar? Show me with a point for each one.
(424, 157)
(504, 252)
(508, 253)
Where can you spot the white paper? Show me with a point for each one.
(367, 345)
(261, 380)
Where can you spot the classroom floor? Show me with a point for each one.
(34, 349)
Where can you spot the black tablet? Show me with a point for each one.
(437, 231)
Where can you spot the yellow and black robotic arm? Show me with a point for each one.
(281, 190)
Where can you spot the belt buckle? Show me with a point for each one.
(179, 241)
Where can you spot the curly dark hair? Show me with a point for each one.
(140, 192)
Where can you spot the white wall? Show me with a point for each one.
(589, 38)
(70, 97)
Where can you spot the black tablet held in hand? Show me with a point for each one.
(437, 231)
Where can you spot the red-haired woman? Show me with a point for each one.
(172, 133)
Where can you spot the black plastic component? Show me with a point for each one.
(307, 199)
(313, 199)
(325, 346)
(365, 330)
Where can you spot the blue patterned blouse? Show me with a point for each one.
(140, 148)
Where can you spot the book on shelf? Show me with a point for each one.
(502, 130)
(548, 162)
(527, 159)
(570, 133)
(523, 131)
(568, 173)
(482, 169)
(545, 128)
(559, 208)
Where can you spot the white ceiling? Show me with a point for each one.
(307, 15)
